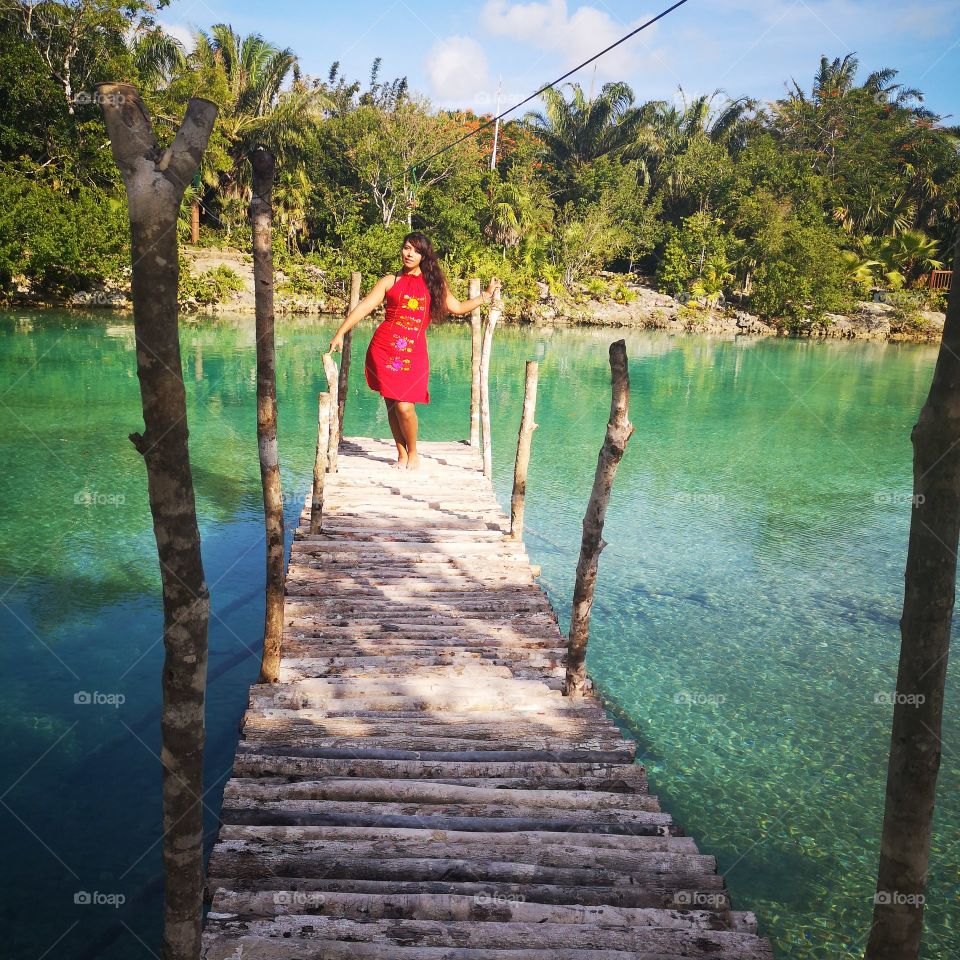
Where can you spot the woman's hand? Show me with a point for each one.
(336, 344)
(493, 287)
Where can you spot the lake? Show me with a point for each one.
(745, 629)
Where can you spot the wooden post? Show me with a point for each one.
(928, 602)
(524, 440)
(345, 353)
(619, 431)
(261, 215)
(476, 337)
(333, 384)
(320, 463)
(492, 318)
(155, 180)
(195, 222)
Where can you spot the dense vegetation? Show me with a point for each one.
(793, 207)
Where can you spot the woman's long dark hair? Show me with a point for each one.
(432, 274)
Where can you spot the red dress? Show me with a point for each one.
(397, 365)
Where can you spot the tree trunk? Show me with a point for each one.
(320, 463)
(476, 340)
(928, 599)
(345, 354)
(619, 431)
(155, 180)
(524, 441)
(333, 385)
(492, 318)
(261, 214)
(195, 222)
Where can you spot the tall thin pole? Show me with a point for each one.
(496, 126)
(492, 318)
(261, 216)
(476, 334)
(320, 462)
(619, 431)
(345, 353)
(333, 385)
(524, 441)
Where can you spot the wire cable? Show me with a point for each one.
(533, 96)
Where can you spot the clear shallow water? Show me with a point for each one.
(745, 619)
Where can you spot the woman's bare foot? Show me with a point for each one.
(413, 461)
(401, 461)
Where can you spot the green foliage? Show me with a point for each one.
(799, 204)
(210, 287)
(61, 241)
(695, 258)
(806, 278)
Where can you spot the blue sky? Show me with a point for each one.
(454, 53)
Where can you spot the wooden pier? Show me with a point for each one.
(417, 787)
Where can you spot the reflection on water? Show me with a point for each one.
(745, 624)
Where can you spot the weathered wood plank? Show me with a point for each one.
(416, 787)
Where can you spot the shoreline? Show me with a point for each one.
(725, 325)
(644, 308)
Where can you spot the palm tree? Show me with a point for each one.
(247, 76)
(157, 57)
(576, 131)
(666, 131)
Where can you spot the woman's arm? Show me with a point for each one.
(459, 309)
(363, 309)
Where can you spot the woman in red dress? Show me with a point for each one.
(397, 365)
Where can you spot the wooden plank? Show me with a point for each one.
(416, 787)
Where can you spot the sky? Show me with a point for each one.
(459, 54)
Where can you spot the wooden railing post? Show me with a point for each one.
(524, 441)
(619, 431)
(345, 353)
(476, 337)
(494, 315)
(320, 462)
(333, 384)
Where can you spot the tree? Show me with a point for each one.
(928, 601)
(155, 181)
(261, 216)
(77, 39)
(667, 132)
(805, 278)
(695, 254)
(577, 131)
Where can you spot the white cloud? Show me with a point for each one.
(457, 70)
(574, 35)
(178, 32)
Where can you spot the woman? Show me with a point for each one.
(397, 365)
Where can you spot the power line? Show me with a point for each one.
(543, 89)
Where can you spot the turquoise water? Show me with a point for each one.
(745, 619)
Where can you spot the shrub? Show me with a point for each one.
(806, 278)
(211, 286)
